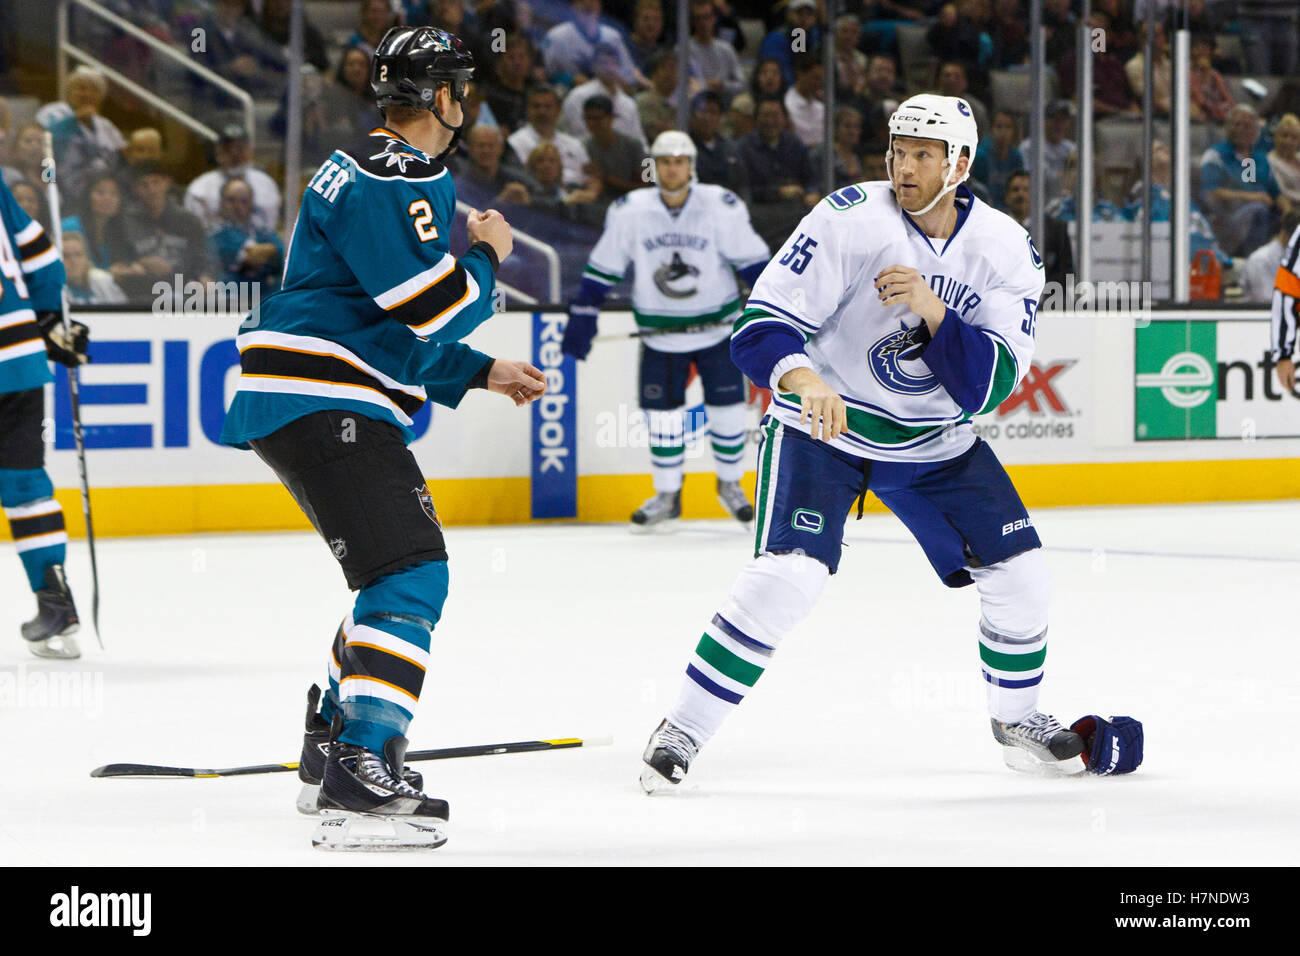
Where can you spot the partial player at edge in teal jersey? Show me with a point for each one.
(31, 334)
(364, 330)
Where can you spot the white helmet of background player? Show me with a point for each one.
(931, 116)
(673, 142)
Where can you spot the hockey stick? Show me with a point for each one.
(649, 333)
(448, 753)
(56, 226)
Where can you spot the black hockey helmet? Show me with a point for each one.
(410, 64)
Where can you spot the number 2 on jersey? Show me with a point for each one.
(424, 227)
(799, 254)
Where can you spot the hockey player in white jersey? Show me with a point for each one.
(897, 311)
(685, 241)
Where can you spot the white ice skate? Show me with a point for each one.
(732, 497)
(659, 512)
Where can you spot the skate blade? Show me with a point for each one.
(59, 647)
(307, 799)
(666, 526)
(652, 782)
(1022, 761)
(365, 832)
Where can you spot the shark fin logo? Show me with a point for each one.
(397, 155)
(421, 492)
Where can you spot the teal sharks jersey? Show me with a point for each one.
(373, 304)
(31, 281)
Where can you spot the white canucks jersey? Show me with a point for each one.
(988, 274)
(683, 262)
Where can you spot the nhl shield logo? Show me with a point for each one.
(339, 547)
(426, 502)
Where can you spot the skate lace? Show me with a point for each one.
(374, 768)
(1038, 727)
(676, 740)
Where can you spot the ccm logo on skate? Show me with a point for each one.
(1020, 524)
(76, 909)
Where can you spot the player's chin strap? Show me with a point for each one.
(455, 130)
(942, 192)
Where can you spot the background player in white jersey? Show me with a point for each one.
(899, 310)
(685, 241)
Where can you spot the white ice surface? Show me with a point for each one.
(865, 743)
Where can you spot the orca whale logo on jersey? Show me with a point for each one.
(1034, 257)
(670, 276)
(426, 502)
(397, 156)
(894, 369)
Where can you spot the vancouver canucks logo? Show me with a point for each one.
(671, 276)
(397, 155)
(426, 502)
(1034, 257)
(894, 369)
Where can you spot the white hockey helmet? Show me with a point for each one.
(931, 116)
(672, 142)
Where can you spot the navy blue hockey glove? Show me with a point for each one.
(580, 330)
(1110, 746)
(65, 346)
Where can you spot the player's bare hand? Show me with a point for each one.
(819, 404)
(491, 227)
(1286, 374)
(903, 285)
(518, 381)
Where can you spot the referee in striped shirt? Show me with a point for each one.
(1286, 312)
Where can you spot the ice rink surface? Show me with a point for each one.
(866, 742)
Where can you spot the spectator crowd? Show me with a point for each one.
(568, 97)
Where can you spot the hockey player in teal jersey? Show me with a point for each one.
(365, 329)
(32, 333)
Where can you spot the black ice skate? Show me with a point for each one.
(315, 747)
(1039, 745)
(365, 805)
(659, 511)
(49, 633)
(668, 757)
(732, 497)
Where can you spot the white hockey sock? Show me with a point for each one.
(1014, 597)
(727, 435)
(770, 596)
(667, 448)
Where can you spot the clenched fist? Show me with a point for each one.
(491, 227)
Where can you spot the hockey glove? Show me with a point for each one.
(67, 346)
(580, 330)
(1110, 746)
